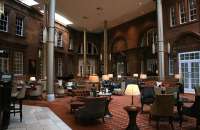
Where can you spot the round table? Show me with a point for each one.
(132, 113)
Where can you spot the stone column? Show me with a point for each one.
(84, 53)
(105, 49)
(50, 51)
(160, 40)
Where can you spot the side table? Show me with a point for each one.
(132, 113)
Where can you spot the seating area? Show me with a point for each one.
(99, 65)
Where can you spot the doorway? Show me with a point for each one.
(189, 68)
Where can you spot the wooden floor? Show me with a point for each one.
(119, 120)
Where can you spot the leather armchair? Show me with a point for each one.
(194, 110)
(94, 109)
(147, 96)
(163, 106)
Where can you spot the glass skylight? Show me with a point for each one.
(29, 2)
(60, 19)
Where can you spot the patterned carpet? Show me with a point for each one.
(118, 121)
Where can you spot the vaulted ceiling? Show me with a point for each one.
(91, 14)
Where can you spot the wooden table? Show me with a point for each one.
(132, 113)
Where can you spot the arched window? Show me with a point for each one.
(149, 37)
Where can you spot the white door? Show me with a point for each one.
(189, 68)
(4, 65)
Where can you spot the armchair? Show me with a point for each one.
(193, 111)
(163, 106)
(36, 91)
(94, 109)
(147, 96)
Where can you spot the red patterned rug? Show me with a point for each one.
(118, 121)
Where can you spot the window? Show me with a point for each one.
(192, 10)
(182, 12)
(59, 39)
(19, 26)
(4, 22)
(171, 66)
(59, 66)
(172, 17)
(149, 38)
(18, 63)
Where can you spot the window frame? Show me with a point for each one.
(182, 2)
(20, 26)
(59, 39)
(16, 64)
(5, 21)
(170, 66)
(172, 12)
(192, 10)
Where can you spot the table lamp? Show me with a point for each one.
(32, 79)
(105, 77)
(132, 90)
(177, 76)
(110, 76)
(94, 79)
(135, 75)
(143, 76)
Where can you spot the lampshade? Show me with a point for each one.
(132, 89)
(135, 75)
(32, 79)
(60, 82)
(177, 76)
(94, 78)
(110, 75)
(143, 76)
(119, 76)
(105, 77)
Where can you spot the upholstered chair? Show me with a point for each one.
(94, 109)
(147, 96)
(194, 110)
(157, 90)
(18, 98)
(36, 91)
(163, 107)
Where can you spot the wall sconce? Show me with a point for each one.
(101, 57)
(168, 48)
(44, 34)
(153, 48)
(110, 56)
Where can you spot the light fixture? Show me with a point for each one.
(168, 48)
(44, 38)
(105, 77)
(143, 76)
(135, 75)
(29, 2)
(153, 48)
(110, 76)
(110, 56)
(32, 79)
(119, 76)
(177, 76)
